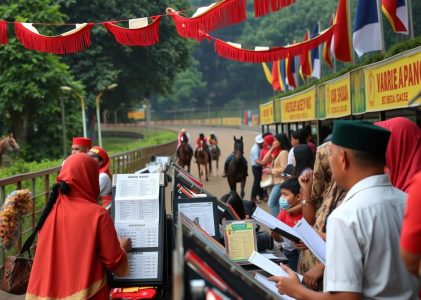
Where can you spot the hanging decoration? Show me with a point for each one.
(72, 41)
(263, 7)
(139, 33)
(207, 19)
(227, 50)
(3, 32)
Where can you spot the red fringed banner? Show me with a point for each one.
(73, 41)
(263, 7)
(220, 14)
(228, 51)
(3, 32)
(143, 36)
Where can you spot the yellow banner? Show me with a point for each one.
(231, 121)
(338, 97)
(391, 84)
(137, 115)
(266, 113)
(299, 107)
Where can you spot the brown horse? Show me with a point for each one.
(8, 143)
(202, 158)
(215, 154)
(184, 155)
(237, 167)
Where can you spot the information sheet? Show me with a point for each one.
(142, 265)
(201, 213)
(240, 239)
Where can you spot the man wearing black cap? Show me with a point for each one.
(362, 247)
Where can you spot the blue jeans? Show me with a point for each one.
(292, 258)
(273, 202)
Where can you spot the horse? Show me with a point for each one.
(202, 158)
(184, 154)
(215, 154)
(236, 170)
(8, 143)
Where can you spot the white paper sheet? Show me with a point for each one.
(201, 213)
(143, 235)
(136, 211)
(312, 240)
(142, 265)
(271, 285)
(137, 186)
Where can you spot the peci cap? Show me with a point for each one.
(82, 141)
(361, 136)
(259, 139)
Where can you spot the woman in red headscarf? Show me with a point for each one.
(403, 154)
(105, 177)
(78, 241)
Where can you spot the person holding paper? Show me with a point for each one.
(78, 241)
(290, 197)
(362, 249)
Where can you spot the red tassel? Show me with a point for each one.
(263, 7)
(3, 33)
(145, 36)
(72, 43)
(277, 53)
(224, 13)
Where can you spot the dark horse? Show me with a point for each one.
(184, 154)
(236, 170)
(8, 143)
(202, 158)
(215, 154)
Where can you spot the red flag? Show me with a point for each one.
(277, 83)
(305, 60)
(326, 49)
(396, 12)
(341, 44)
(290, 66)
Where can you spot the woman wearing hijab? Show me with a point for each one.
(78, 242)
(403, 154)
(105, 177)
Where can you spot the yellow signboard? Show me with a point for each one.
(338, 97)
(391, 84)
(137, 115)
(299, 107)
(266, 113)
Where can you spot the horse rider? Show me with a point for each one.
(202, 141)
(213, 142)
(183, 136)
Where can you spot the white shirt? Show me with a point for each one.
(362, 247)
(291, 157)
(254, 154)
(105, 184)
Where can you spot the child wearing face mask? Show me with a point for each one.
(290, 197)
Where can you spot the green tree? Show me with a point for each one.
(30, 85)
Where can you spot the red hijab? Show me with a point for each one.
(77, 241)
(403, 154)
(105, 168)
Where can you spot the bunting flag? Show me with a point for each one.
(290, 72)
(326, 49)
(139, 33)
(263, 7)
(276, 77)
(207, 19)
(72, 41)
(3, 32)
(396, 12)
(283, 75)
(315, 56)
(305, 60)
(341, 42)
(367, 34)
(228, 51)
(267, 72)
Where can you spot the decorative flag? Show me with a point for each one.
(315, 55)
(263, 7)
(305, 60)
(72, 41)
(396, 12)
(267, 72)
(283, 75)
(139, 33)
(3, 32)
(327, 47)
(209, 18)
(341, 42)
(290, 70)
(367, 35)
(276, 77)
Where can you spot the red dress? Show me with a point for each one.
(78, 241)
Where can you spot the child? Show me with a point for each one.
(290, 197)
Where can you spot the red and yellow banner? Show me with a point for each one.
(338, 97)
(392, 83)
(266, 113)
(299, 107)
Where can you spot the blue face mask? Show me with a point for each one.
(283, 203)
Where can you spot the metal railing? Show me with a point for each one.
(39, 183)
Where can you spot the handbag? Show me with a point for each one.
(17, 270)
(267, 180)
